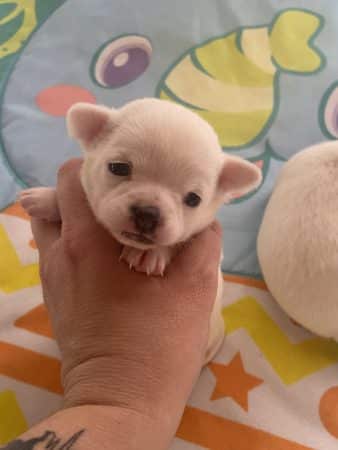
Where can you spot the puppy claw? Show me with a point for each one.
(151, 262)
(132, 256)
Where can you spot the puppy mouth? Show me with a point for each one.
(137, 237)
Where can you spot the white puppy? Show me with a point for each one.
(298, 239)
(154, 175)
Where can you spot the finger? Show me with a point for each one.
(45, 234)
(78, 221)
(204, 250)
(72, 200)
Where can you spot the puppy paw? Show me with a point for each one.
(154, 261)
(40, 203)
(151, 262)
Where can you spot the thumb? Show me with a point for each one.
(45, 234)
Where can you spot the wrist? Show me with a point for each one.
(103, 427)
(99, 382)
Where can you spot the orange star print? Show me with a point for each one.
(233, 381)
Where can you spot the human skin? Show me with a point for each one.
(132, 346)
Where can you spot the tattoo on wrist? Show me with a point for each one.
(48, 440)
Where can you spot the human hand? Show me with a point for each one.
(127, 340)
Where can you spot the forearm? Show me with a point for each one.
(88, 427)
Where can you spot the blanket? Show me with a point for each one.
(264, 74)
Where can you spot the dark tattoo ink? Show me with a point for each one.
(49, 441)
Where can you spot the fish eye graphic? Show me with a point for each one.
(328, 112)
(120, 61)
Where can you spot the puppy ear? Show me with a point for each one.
(238, 177)
(86, 121)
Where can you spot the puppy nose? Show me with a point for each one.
(146, 218)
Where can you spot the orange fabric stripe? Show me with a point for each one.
(16, 210)
(246, 281)
(216, 433)
(30, 367)
(37, 321)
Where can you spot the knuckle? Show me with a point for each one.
(43, 270)
(216, 228)
(73, 241)
(208, 275)
(71, 245)
(68, 167)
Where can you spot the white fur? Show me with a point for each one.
(298, 239)
(173, 151)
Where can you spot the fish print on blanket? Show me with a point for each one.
(233, 81)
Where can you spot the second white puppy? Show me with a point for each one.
(298, 239)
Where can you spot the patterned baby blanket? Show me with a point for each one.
(264, 74)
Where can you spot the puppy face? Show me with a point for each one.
(153, 171)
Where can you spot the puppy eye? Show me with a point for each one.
(121, 169)
(192, 199)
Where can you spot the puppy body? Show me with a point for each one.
(154, 175)
(298, 239)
